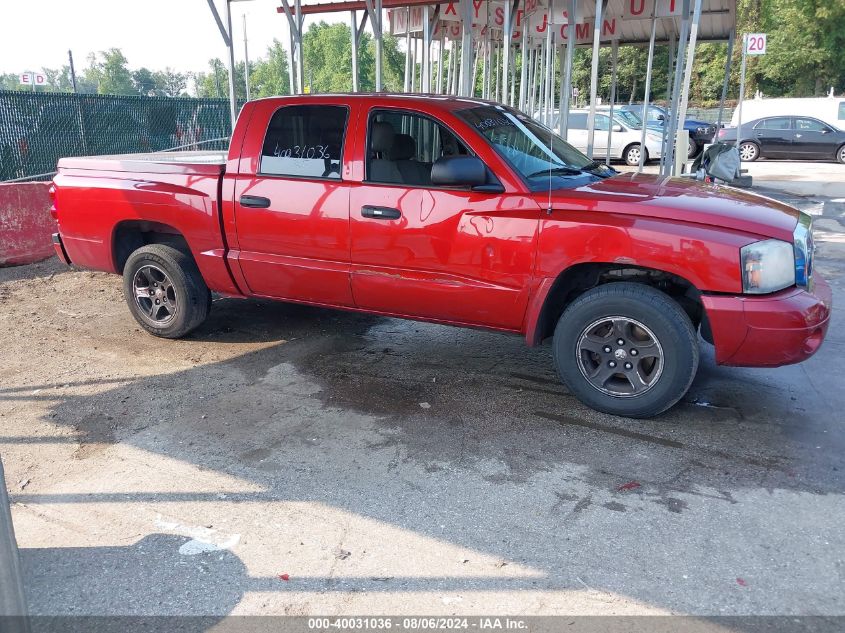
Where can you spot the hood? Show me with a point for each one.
(684, 200)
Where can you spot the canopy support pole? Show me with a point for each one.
(374, 11)
(681, 144)
(613, 57)
(226, 33)
(594, 80)
(407, 84)
(300, 54)
(647, 92)
(668, 163)
(728, 61)
(353, 30)
(510, 18)
(523, 71)
(466, 75)
(549, 75)
(566, 76)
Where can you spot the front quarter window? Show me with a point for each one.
(530, 148)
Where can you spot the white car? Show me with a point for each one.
(624, 141)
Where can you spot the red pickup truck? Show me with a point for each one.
(455, 211)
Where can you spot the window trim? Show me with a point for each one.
(340, 178)
(403, 110)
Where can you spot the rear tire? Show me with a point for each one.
(165, 291)
(749, 151)
(632, 155)
(644, 375)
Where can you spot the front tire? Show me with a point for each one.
(840, 154)
(165, 291)
(692, 148)
(632, 155)
(626, 349)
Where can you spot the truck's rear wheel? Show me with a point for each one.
(626, 349)
(165, 291)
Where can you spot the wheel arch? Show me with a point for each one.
(556, 294)
(130, 235)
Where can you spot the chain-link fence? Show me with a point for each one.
(36, 129)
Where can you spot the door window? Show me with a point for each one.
(577, 121)
(305, 141)
(810, 125)
(602, 123)
(402, 147)
(775, 123)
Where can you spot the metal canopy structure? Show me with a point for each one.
(488, 35)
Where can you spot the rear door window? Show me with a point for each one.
(305, 141)
(775, 123)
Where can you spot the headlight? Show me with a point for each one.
(804, 250)
(701, 130)
(767, 266)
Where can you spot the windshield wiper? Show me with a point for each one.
(593, 166)
(570, 171)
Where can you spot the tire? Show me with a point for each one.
(749, 151)
(173, 298)
(692, 148)
(666, 356)
(840, 154)
(632, 155)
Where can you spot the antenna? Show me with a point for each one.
(552, 148)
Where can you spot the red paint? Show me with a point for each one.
(631, 485)
(455, 256)
(284, 577)
(25, 223)
(741, 582)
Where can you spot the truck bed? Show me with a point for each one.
(205, 163)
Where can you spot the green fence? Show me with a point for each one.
(36, 129)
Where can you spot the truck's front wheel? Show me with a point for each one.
(165, 291)
(626, 349)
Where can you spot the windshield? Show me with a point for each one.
(531, 148)
(630, 118)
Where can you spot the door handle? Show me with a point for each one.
(797, 136)
(256, 202)
(381, 213)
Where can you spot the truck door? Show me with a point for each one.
(292, 203)
(444, 253)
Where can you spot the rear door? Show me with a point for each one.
(576, 134)
(774, 136)
(813, 139)
(292, 203)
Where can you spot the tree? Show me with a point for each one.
(115, 78)
(144, 81)
(170, 83)
(270, 75)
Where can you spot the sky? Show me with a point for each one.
(181, 34)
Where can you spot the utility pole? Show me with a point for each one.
(246, 61)
(72, 71)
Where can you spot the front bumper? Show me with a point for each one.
(768, 331)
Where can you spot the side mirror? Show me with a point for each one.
(618, 128)
(458, 171)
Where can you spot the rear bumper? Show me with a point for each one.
(59, 247)
(779, 329)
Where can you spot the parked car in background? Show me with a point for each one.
(831, 110)
(624, 141)
(461, 212)
(794, 137)
(701, 133)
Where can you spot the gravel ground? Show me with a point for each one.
(294, 460)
